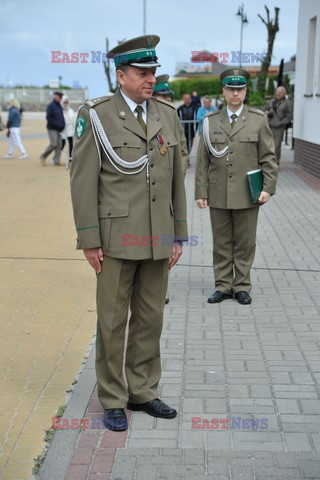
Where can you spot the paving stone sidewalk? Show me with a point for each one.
(256, 369)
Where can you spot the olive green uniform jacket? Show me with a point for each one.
(223, 181)
(117, 211)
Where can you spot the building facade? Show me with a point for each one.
(307, 88)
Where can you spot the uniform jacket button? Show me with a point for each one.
(151, 148)
(153, 183)
(109, 213)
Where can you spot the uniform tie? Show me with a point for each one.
(139, 111)
(234, 117)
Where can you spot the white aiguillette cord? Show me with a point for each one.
(208, 144)
(101, 136)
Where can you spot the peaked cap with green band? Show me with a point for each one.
(138, 52)
(162, 86)
(235, 78)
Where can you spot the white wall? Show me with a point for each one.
(307, 110)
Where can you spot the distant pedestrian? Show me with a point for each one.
(203, 111)
(70, 121)
(279, 111)
(195, 100)
(13, 125)
(187, 114)
(55, 125)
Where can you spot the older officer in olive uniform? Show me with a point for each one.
(279, 111)
(129, 206)
(162, 90)
(234, 141)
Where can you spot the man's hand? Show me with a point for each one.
(176, 254)
(202, 202)
(264, 197)
(94, 257)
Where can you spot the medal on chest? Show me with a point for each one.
(162, 148)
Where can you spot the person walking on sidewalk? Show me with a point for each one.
(55, 125)
(203, 111)
(70, 121)
(126, 199)
(234, 141)
(13, 125)
(188, 114)
(279, 111)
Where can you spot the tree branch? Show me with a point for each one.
(263, 20)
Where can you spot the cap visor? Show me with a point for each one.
(234, 86)
(144, 65)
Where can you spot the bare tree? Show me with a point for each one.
(273, 28)
(106, 65)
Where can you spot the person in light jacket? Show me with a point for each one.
(13, 125)
(70, 121)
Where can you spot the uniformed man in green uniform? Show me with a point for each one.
(129, 207)
(163, 91)
(234, 141)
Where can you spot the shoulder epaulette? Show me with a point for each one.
(169, 104)
(96, 101)
(256, 110)
(212, 113)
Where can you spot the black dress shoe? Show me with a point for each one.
(243, 298)
(218, 297)
(156, 408)
(115, 419)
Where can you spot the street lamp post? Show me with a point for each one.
(144, 17)
(243, 18)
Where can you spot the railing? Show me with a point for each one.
(190, 127)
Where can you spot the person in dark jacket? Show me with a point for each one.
(279, 111)
(195, 100)
(187, 112)
(13, 125)
(55, 125)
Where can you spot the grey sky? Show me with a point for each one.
(30, 30)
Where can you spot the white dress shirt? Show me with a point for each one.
(230, 112)
(132, 105)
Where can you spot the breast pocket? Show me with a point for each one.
(128, 148)
(249, 143)
(168, 146)
(113, 218)
(218, 141)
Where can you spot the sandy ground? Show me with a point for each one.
(47, 299)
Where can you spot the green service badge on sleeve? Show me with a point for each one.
(80, 126)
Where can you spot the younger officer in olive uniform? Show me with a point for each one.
(234, 141)
(129, 204)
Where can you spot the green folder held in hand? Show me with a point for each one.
(255, 180)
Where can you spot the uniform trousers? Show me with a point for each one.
(15, 139)
(278, 137)
(234, 246)
(143, 284)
